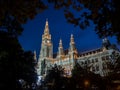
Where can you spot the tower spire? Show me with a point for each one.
(60, 44)
(46, 34)
(46, 51)
(72, 51)
(60, 48)
(72, 43)
(72, 39)
(46, 30)
(35, 57)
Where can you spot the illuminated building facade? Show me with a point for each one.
(96, 60)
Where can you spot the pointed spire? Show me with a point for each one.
(46, 34)
(60, 43)
(46, 31)
(60, 49)
(72, 43)
(35, 58)
(72, 39)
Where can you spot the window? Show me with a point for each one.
(93, 69)
(88, 61)
(103, 58)
(104, 66)
(85, 62)
(47, 52)
(82, 63)
(97, 68)
(96, 59)
(107, 57)
(92, 60)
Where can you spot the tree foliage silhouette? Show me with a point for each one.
(55, 77)
(81, 75)
(104, 13)
(15, 63)
(21, 10)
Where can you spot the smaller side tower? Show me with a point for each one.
(60, 54)
(72, 52)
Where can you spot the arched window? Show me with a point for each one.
(97, 67)
(93, 69)
(104, 66)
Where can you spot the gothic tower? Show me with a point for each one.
(60, 54)
(46, 51)
(72, 51)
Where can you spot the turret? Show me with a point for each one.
(72, 51)
(46, 36)
(47, 46)
(60, 48)
(72, 43)
(72, 48)
(46, 31)
(60, 54)
(35, 57)
(46, 51)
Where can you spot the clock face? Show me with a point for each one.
(46, 41)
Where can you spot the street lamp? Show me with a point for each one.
(86, 83)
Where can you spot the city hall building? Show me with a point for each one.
(96, 60)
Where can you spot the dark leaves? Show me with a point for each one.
(103, 13)
(69, 15)
(21, 9)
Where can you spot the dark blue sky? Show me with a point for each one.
(59, 28)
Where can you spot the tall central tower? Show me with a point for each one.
(46, 51)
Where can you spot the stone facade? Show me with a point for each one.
(96, 60)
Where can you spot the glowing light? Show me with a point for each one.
(39, 80)
(86, 83)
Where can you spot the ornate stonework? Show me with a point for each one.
(97, 60)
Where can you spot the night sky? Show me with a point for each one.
(59, 29)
